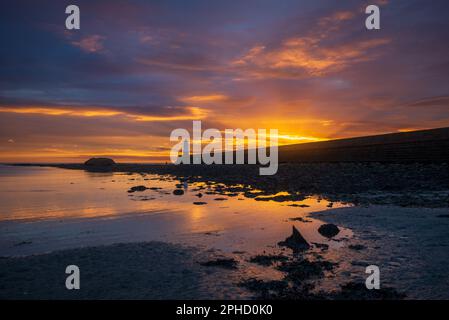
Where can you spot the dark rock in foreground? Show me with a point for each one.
(100, 162)
(264, 289)
(299, 270)
(358, 291)
(267, 260)
(328, 230)
(296, 242)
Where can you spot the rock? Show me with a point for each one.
(99, 162)
(137, 188)
(296, 242)
(267, 260)
(263, 287)
(299, 270)
(321, 246)
(357, 247)
(223, 263)
(358, 291)
(199, 203)
(301, 219)
(178, 192)
(328, 230)
(299, 205)
(199, 195)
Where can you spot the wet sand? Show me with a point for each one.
(152, 270)
(410, 246)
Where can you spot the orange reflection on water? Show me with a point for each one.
(229, 220)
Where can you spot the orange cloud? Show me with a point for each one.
(308, 55)
(61, 111)
(193, 113)
(91, 44)
(205, 98)
(305, 54)
(335, 18)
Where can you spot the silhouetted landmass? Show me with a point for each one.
(416, 146)
(405, 169)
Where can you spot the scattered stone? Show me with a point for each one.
(322, 246)
(178, 192)
(280, 198)
(267, 260)
(300, 219)
(145, 199)
(280, 290)
(299, 205)
(358, 291)
(357, 247)
(221, 262)
(299, 270)
(199, 195)
(264, 288)
(328, 230)
(232, 194)
(137, 189)
(220, 199)
(199, 203)
(296, 241)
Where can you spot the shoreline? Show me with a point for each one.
(360, 183)
(398, 238)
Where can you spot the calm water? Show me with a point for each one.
(45, 209)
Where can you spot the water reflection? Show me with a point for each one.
(232, 218)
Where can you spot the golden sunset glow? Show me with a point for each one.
(60, 112)
(194, 113)
(120, 91)
(206, 98)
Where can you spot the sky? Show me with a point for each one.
(136, 70)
